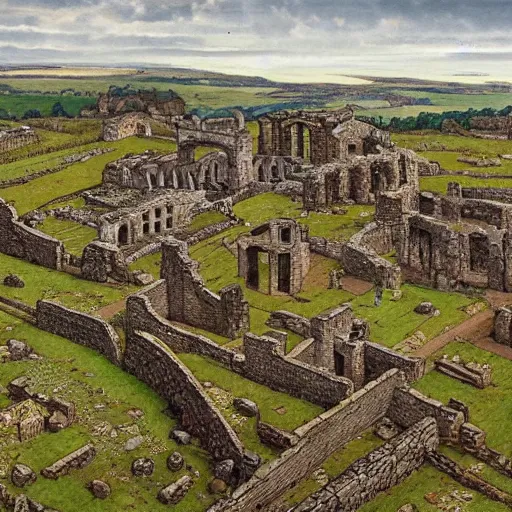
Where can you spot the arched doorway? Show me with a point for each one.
(122, 235)
(141, 129)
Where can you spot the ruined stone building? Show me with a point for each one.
(127, 125)
(284, 245)
(17, 137)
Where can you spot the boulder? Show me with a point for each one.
(142, 278)
(22, 475)
(133, 443)
(180, 436)
(175, 461)
(425, 308)
(224, 469)
(99, 489)
(174, 493)
(21, 504)
(18, 349)
(246, 407)
(408, 508)
(217, 486)
(14, 281)
(143, 467)
(57, 421)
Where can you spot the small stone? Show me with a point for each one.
(180, 436)
(408, 508)
(133, 443)
(22, 475)
(246, 407)
(18, 349)
(21, 504)
(142, 278)
(136, 414)
(57, 421)
(99, 489)
(143, 467)
(207, 385)
(175, 461)
(425, 308)
(217, 486)
(175, 492)
(224, 469)
(14, 281)
(89, 374)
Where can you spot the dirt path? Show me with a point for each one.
(109, 311)
(476, 330)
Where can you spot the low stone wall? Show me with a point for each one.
(16, 304)
(503, 195)
(379, 359)
(142, 316)
(503, 326)
(379, 471)
(266, 363)
(92, 332)
(26, 243)
(410, 406)
(325, 247)
(304, 351)
(153, 363)
(291, 322)
(319, 439)
(75, 460)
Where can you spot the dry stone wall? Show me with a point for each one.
(152, 362)
(26, 243)
(319, 439)
(79, 327)
(379, 471)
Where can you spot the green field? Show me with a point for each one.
(80, 374)
(18, 104)
(74, 236)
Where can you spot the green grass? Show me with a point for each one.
(44, 283)
(74, 236)
(78, 176)
(490, 408)
(18, 104)
(204, 220)
(64, 366)
(298, 412)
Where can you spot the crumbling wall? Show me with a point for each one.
(319, 439)
(17, 138)
(503, 195)
(189, 300)
(79, 327)
(266, 363)
(102, 261)
(26, 243)
(503, 326)
(153, 363)
(379, 471)
(291, 322)
(128, 125)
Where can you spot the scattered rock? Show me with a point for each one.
(57, 421)
(21, 504)
(133, 443)
(246, 407)
(224, 469)
(397, 295)
(408, 508)
(143, 467)
(142, 278)
(217, 486)
(22, 475)
(99, 489)
(386, 429)
(174, 493)
(180, 436)
(136, 414)
(14, 281)
(320, 476)
(175, 461)
(425, 308)
(18, 349)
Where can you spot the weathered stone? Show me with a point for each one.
(246, 407)
(75, 460)
(217, 486)
(18, 349)
(143, 467)
(180, 436)
(224, 469)
(142, 278)
(175, 492)
(425, 308)
(99, 489)
(22, 475)
(408, 508)
(14, 281)
(57, 421)
(21, 504)
(175, 461)
(133, 443)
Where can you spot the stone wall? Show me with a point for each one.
(26, 243)
(266, 363)
(503, 195)
(379, 359)
(410, 406)
(152, 362)
(291, 322)
(319, 439)
(189, 300)
(92, 332)
(75, 460)
(17, 138)
(128, 125)
(102, 262)
(379, 471)
(503, 326)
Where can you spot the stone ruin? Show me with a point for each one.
(283, 243)
(17, 137)
(472, 373)
(127, 125)
(502, 331)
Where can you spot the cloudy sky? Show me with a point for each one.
(309, 40)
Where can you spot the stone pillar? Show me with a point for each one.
(353, 353)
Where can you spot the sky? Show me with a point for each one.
(290, 40)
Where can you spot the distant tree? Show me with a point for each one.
(4, 114)
(58, 110)
(32, 114)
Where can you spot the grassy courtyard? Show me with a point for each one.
(74, 236)
(103, 395)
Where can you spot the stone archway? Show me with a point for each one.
(123, 235)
